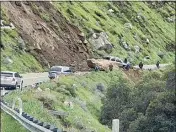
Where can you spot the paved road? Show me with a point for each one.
(151, 67)
(30, 79)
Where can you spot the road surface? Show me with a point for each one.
(151, 67)
(32, 78)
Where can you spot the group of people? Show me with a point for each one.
(126, 65)
(141, 64)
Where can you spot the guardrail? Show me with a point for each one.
(29, 122)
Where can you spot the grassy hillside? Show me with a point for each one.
(8, 124)
(85, 92)
(142, 24)
(147, 23)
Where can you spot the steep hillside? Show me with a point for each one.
(66, 33)
(135, 29)
(47, 35)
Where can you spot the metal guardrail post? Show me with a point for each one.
(20, 105)
(115, 125)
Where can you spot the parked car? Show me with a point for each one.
(112, 58)
(11, 80)
(57, 70)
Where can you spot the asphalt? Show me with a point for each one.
(151, 67)
(32, 78)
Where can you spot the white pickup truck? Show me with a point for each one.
(11, 80)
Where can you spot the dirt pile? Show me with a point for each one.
(49, 36)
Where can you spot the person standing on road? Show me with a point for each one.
(127, 67)
(157, 64)
(141, 65)
(97, 68)
(125, 60)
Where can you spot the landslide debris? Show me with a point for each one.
(49, 36)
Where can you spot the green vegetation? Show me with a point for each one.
(99, 97)
(149, 105)
(85, 92)
(8, 124)
(147, 23)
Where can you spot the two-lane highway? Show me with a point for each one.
(30, 79)
(151, 67)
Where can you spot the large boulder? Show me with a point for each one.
(21, 44)
(99, 40)
(103, 64)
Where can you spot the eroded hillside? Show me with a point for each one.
(47, 34)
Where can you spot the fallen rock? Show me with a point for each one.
(21, 44)
(99, 40)
(111, 10)
(85, 41)
(137, 49)
(101, 87)
(39, 89)
(128, 25)
(161, 55)
(147, 41)
(171, 19)
(103, 64)
(81, 34)
(69, 104)
(37, 47)
(18, 3)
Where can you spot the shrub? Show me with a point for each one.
(101, 87)
(72, 91)
(47, 99)
(45, 17)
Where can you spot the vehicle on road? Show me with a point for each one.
(55, 71)
(112, 58)
(11, 80)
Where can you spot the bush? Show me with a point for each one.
(118, 97)
(101, 87)
(72, 91)
(149, 106)
(47, 99)
(45, 17)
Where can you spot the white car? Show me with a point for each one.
(55, 71)
(11, 80)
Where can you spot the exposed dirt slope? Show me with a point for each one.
(52, 42)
